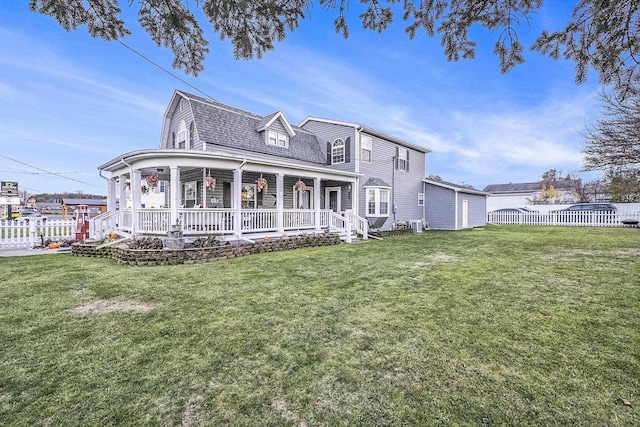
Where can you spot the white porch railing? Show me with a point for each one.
(339, 222)
(107, 222)
(200, 221)
(15, 234)
(361, 225)
(299, 219)
(207, 221)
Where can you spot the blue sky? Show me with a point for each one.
(70, 102)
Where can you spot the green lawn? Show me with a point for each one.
(502, 326)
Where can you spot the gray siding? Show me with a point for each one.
(405, 184)
(439, 207)
(477, 209)
(329, 132)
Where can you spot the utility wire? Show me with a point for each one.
(46, 171)
(163, 69)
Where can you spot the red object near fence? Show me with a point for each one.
(82, 223)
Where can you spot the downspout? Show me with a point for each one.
(393, 187)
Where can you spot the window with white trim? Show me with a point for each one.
(365, 144)
(378, 201)
(277, 139)
(420, 199)
(303, 199)
(182, 136)
(337, 151)
(403, 156)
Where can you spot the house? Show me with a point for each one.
(515, 195)
(94, 206)
(239, 175)
(453, 206)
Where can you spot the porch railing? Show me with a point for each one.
(361, 225)
(199, 221)
(299, 219)
(107, 222)
(207, 221)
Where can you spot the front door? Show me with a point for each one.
(332, 199)
(465, 213)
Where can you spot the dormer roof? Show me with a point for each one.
(267, 121)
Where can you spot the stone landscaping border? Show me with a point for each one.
(124, 255)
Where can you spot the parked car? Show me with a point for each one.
(514, 211)
(26, 215)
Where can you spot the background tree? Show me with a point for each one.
(623, 187)
(551, 175)
(601, 34)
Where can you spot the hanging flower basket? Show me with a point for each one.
(300, 186)
(262, 184)
(144, 189)
(210, 183)
(152, 181)
(127, 185)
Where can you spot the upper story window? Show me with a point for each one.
(402, 161)
(182, 137)
(277, 139)
(337, 151)
(365, 144)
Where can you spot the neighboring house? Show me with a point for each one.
(234, 173)
(94, 206)
(517, 195)
(453, 207)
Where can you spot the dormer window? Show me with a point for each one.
(277, 139)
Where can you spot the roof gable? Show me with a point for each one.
(269, 120)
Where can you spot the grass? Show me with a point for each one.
(502, 326)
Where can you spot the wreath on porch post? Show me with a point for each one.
(210, 183)
(262, 184)
(300, 185)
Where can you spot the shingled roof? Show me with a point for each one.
(530, 187)
(222, 125)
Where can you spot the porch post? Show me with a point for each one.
(316, 201)
(280, 202)
(174, 193)
(237, 201)
(355, 197)
(123, 193)
(136, 197)
(111, 194)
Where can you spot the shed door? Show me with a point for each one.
(465, 214)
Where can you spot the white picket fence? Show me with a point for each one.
(576, 219)
(17, 235)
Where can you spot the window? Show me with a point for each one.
(420, 199)
(303, 199)
(277, 139)
(403, 159)
(365, 142)
(337, 151)
(190, 192)
(378, 201)
(183, 136)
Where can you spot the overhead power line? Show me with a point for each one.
(164, 69)
(46, 171)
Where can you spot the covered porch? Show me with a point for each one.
(154, 192)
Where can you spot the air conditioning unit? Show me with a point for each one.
(417, 226)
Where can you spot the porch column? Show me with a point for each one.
(355, 198)
(136, 197)
(280, 202)
(122, 189)
(237, 201)
(316, 201)
(174, 194)
(111, 194)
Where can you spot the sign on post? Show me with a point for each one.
(9, 189)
